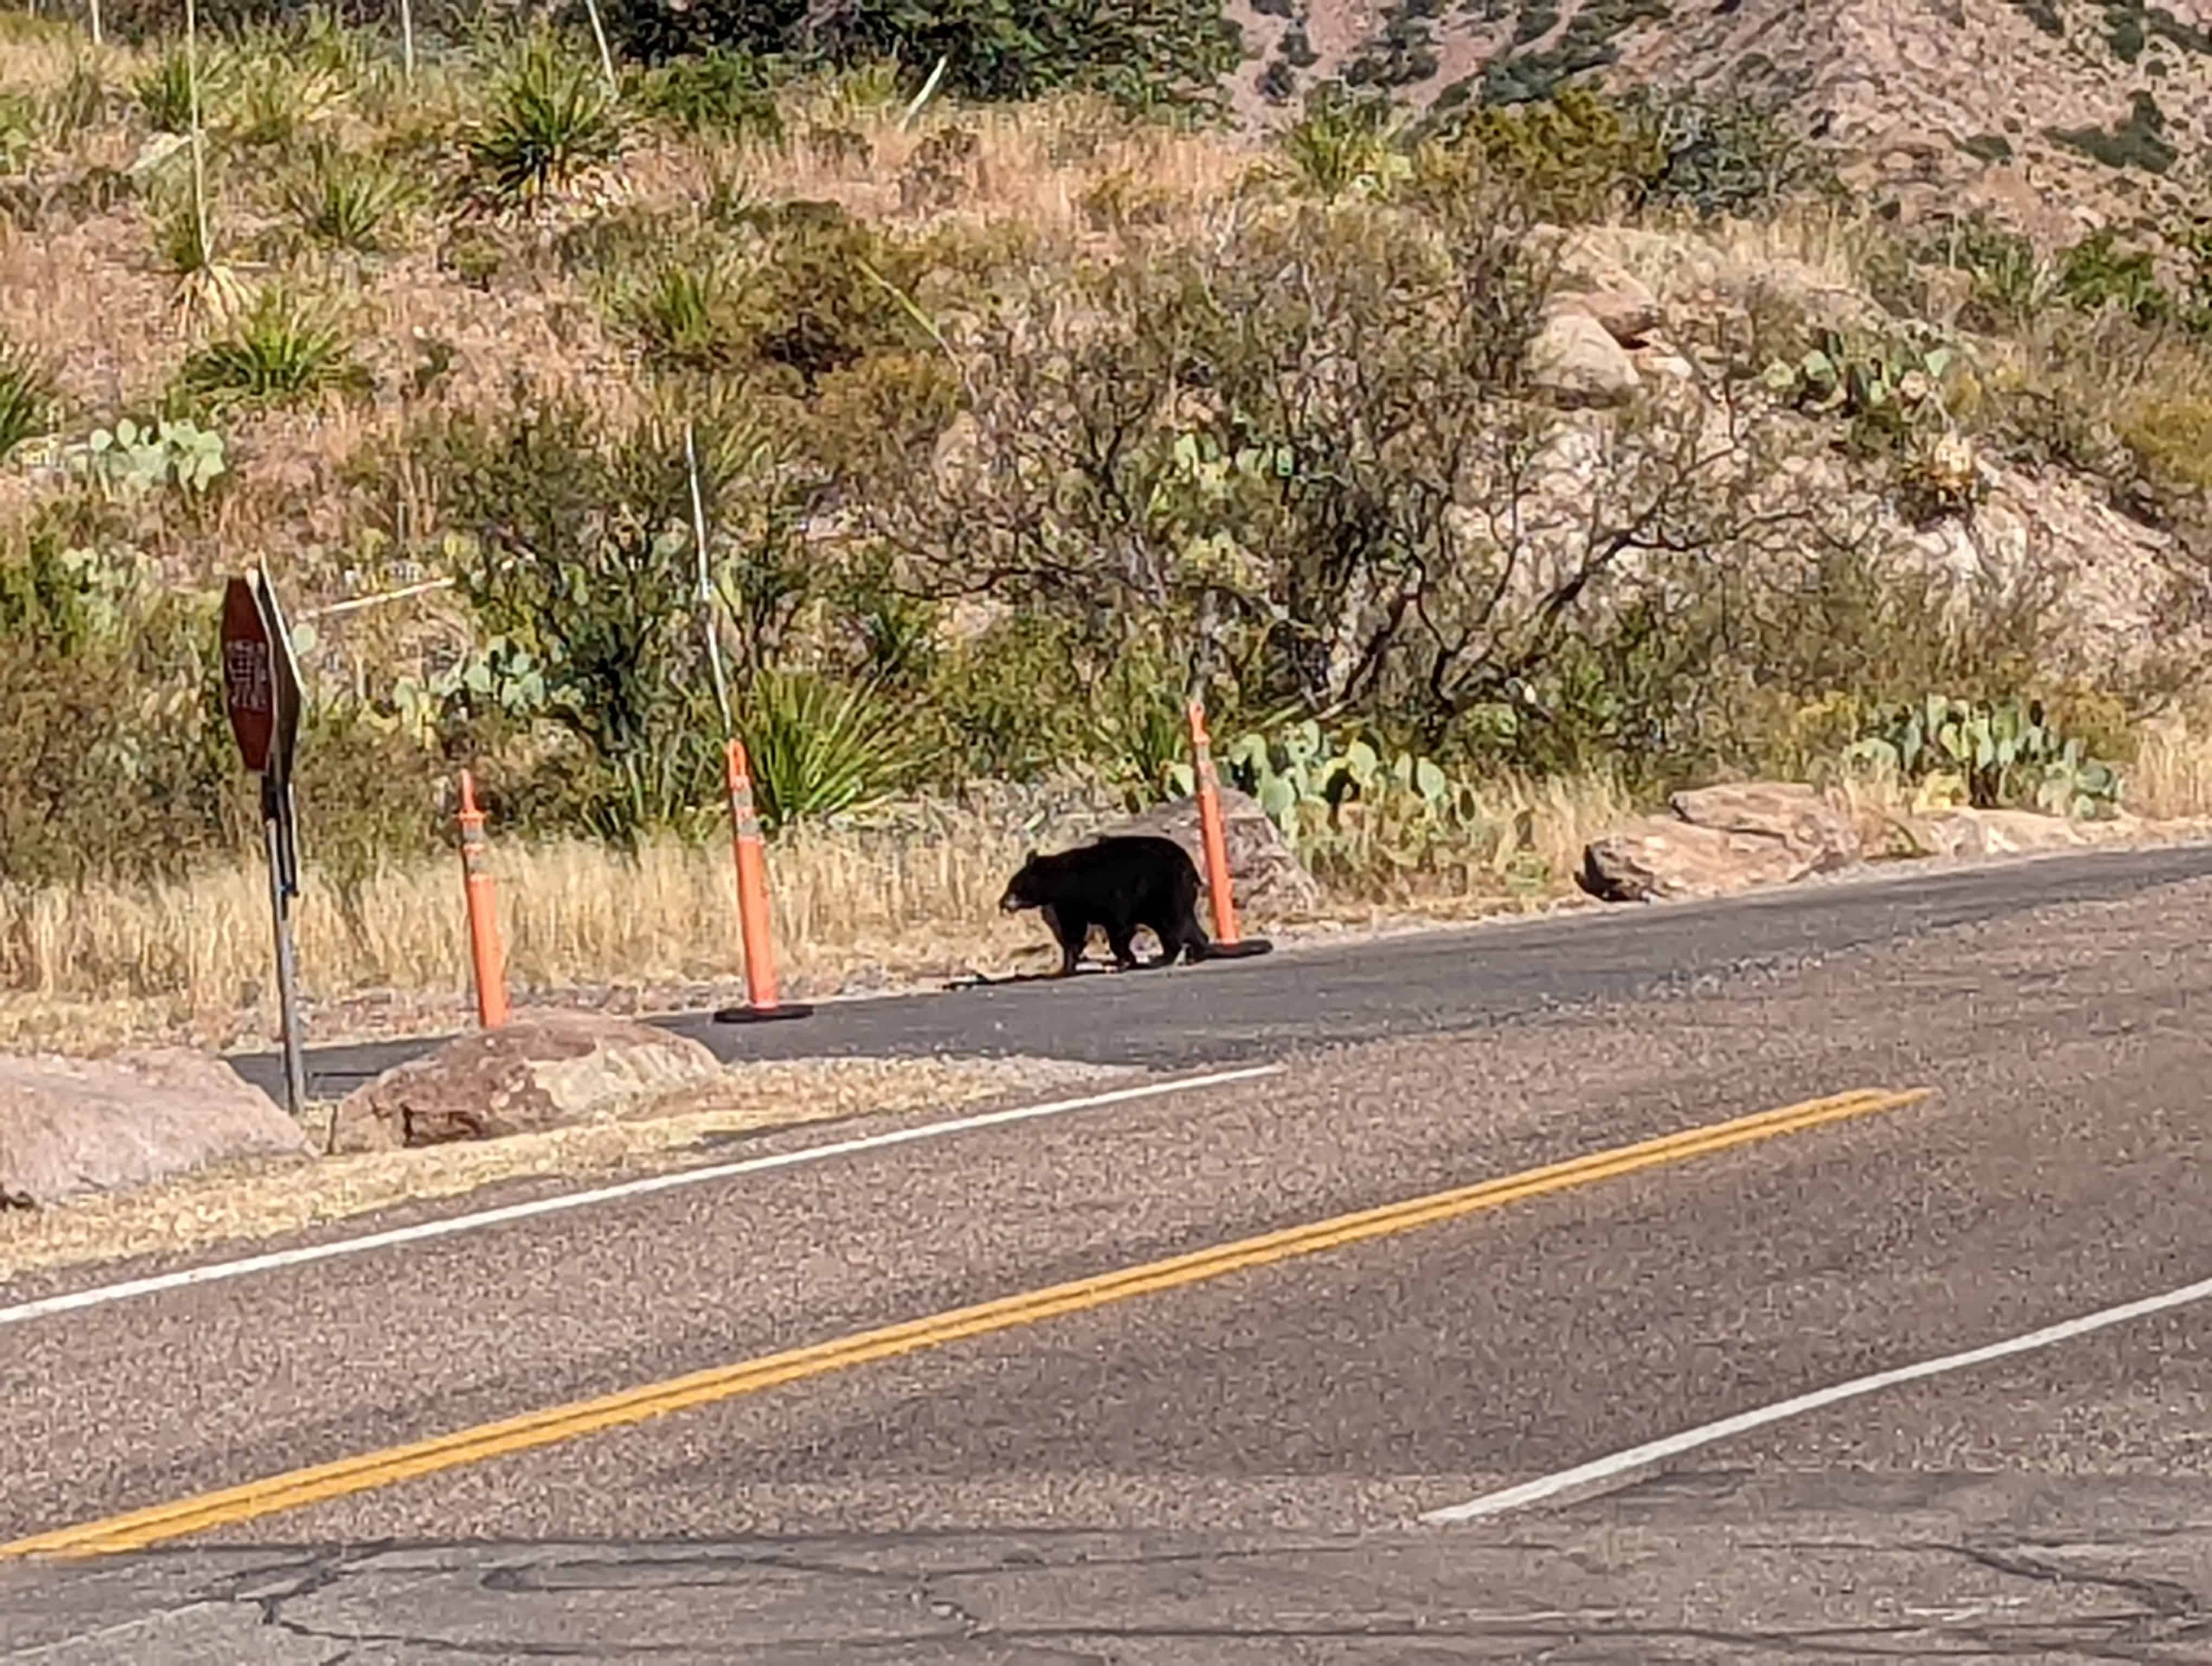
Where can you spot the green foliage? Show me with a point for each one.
(1732, 156)
(574, 546)
(1887, 390)
(2095, 274)
(719, 92)
(1345, 144)
(282, 352)
(346, 197)
(1999, 756)
(2138, 140)
(1145, 54)
(1518, 76)
(1576, 157)
(551, 123)
(27, 398)
(163, 89)
(819, 746)
(131, 460)
(686, 311)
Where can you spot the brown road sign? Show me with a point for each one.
(260, 678)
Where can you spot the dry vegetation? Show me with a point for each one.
(264, 1199)
(881, 388)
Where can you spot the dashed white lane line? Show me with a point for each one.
(1618, 1464)
(78, 1300)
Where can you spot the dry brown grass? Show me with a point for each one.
(96, 965)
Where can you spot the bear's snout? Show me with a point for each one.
(1011, 903)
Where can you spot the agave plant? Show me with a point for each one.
(819, 746)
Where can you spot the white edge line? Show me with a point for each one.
(450, 1225)
(1638, 1457)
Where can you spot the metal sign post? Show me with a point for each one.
(261, 693)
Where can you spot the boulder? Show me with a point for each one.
(541, 1069)
(1574, 363)
(1660, 857)
(1824, 835)
(70, 1125)
(1722, 839)
(1268, 878)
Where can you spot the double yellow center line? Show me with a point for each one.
(369, 1470)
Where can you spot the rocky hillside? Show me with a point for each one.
(2054, 115)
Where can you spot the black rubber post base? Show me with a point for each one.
(1243, 949)
(760, 1014)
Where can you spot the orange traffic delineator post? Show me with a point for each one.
(752, 901)
(485, 954)
(1228, 944)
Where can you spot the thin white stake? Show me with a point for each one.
(706, 585)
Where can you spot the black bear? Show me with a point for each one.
(1120, 882)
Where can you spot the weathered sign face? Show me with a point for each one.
(249, 683)
(260, 679)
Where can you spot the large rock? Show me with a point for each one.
(1720, 840)
(1808, 826)
(69, 1126)
(2010, 832)
(1655, 858)
(542, 1069)
(1574, 363)
(1264, 874)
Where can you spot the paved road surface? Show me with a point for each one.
(1238, 1469)
(1426, 982)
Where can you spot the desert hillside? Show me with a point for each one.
(2056, 114)
(1548, 429)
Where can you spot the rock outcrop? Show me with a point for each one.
(1722, 839)
(73, 1126)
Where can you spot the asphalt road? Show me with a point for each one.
(1238, 1469)
(1429, 982)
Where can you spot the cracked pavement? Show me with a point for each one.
(1234, 1472)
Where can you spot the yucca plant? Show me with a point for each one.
(207, 286)
(26, 398)
(347, 198)
(683, 313)
(551, 122)
(819, 746)
(282, 352)
(163, 90)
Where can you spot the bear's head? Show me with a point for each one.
(1022, 890)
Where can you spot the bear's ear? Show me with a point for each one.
(1028, 856)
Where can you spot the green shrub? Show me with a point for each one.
(1143, 53)
(1344, 143)
(2095, 274)
(574, 546)
(163, 89)
(719, 92)
(2138, 140)
(685, 311)
(550, 125)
